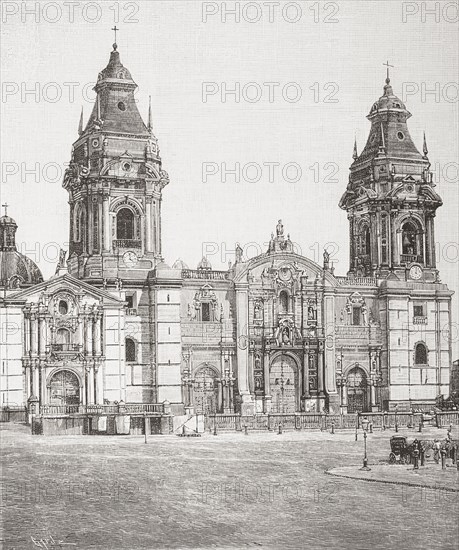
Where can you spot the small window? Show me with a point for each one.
(130, 351)
(63, 307)
(121, 106)
(127, 166)
(418, 310)
(420, 354)
(168, 298)
(356, 316)
(130, 301)
(401, 136)
(283, 302)
(205, 311)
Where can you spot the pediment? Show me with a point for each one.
(70, 285)
(281, 269)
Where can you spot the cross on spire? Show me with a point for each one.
(386, 64)
(115, 28)
(5, 206)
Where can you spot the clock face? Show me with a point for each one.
(415, 272)
(130, 259)
(285, 274)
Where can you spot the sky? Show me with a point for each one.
(256, 113)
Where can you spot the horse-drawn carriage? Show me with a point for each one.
(400, 450)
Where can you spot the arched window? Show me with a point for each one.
(283, 302)
(412, 243)
(420, 354)
(130, 350)
(80, 222)
(63, 307)
(125, 224)
(366, 240)
(62, 339)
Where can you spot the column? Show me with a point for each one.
(320, 371)
(26, 334)
(432, 241)
(99, 384)
(27, 382)
(393, 236)
(33, 334)
(42, 378)
(351, 242)
(374, 253)
(106, 221)
(158, 244)
(90, 230)
(306, 372)
(90, 373)
(97, 335)
(148, 233)
(88, 334)
(40, 324)
(231, 382)
(243, 345)
(219, 396)
(372, 394)
(81, 333)
(35, 381)
(344, 390)
(267, 397)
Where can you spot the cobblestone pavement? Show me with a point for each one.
(228, 491)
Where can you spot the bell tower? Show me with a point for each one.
(390, 199)
(115, 181)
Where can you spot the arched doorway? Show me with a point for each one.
(357, 390)
(205, 390)
(64, 388)
(283, 381)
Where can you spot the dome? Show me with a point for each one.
(6, 220)
(387, 101)
(115, 69)
(16, 270)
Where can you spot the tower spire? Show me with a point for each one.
(150, 125)
(115, 45)
(388, 87)
(386, 64)
(355, 154)
(80, 125)
(424, 146)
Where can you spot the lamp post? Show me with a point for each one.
(365, 459)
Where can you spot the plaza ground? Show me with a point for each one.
(228, 491)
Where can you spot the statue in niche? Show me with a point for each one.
(286, 336)
(238, 253)
(257, 311)
(280, 229)
(326, 259)
(364, 313)
(61, 261)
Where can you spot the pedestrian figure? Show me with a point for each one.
(436, 450)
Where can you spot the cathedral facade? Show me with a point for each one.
(275, 333)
